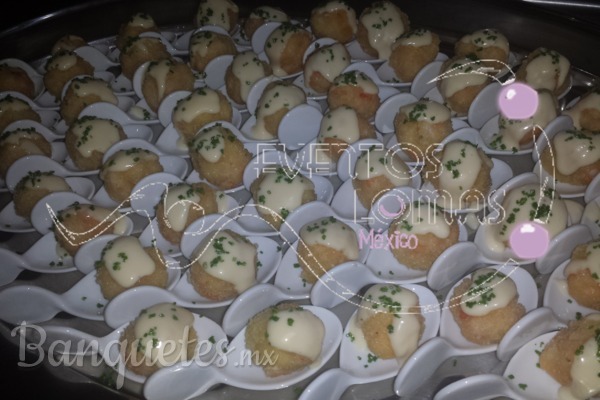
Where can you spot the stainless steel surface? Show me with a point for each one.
(527, 26)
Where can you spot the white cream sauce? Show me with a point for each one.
(94, 134)
(216, 12)
(248, 68)
(426, 111)
(357, 79)
(330, 61)
(142, 20)
(330, 232)
(272, 100)
(591, 101)
(177, 204)
(463, 74)
(229, 258)
(200, 101)
(159, 70)
(548, 70)
(163, 332)
(512, 131)
(460, 166)
(89, 86)
(270, 14)
(62, 62)
(126, 260)
(575, 149)
(281, 192)
(126, 159)
(298, 331)
(210, 143)
(417, 38)
(487, 38)
(340, 123)
(382, 162)
(490, 290)
(46, 181)
(404, 332)
(384, 24)
(422, 218)
(518, 206)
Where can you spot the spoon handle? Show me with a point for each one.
(533, 324)
(329, 385)
(173, 383)
(422, 365)
(75, 341)
(29, 303)
(11, 267)
(479, 387)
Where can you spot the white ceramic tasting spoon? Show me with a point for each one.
(109, 346)
(451, 343)
(357, 364)
(180, 383)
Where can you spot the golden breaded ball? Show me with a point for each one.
(16, 79)
(20, 143)
(61, 68)
(219, 157)
(163, 78)
(137, 24)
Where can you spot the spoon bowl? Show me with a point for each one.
(357, 364)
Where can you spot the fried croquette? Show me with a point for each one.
(81, 92)
(19, 143)
(336, 20)
(224, 266)
(163, 78)
(309, 333)
(124, 169)
(219, 157)
(485, 329)
(17, 80)
(205, 46)
(61, 68)
(111, 288)
(184, 201)
(422, 125)
(429, 244)
(134, 349)
(202, 106)
(558, 355)
(412, 51)
(13, 109)
(354, 89)
(33, 187)
(88, 138)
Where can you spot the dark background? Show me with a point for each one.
(588, 10)
(38, 382)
